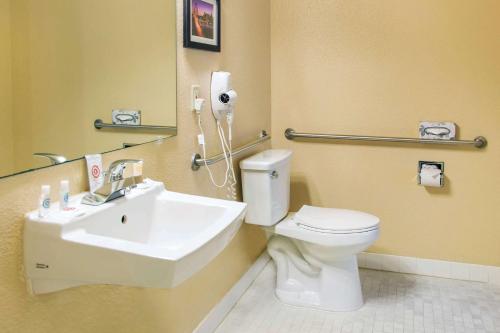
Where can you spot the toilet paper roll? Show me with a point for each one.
(430, 176)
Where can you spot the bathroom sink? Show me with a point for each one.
(149, 238)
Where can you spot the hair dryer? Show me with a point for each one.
(223, 97)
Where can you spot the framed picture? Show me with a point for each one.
(202, 24)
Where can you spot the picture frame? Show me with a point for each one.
(202, 23)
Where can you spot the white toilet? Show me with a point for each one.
(314, 249)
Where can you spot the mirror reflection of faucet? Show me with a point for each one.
(122, 175)
(54, 159)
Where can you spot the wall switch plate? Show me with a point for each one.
(126, 117)
(195, 94)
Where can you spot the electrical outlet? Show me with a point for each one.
(195, 94)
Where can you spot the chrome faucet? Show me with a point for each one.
(122, 175)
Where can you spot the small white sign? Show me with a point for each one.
(126, 117)
(437, 130)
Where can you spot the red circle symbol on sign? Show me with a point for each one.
(96, 172)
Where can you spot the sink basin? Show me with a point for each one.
(149, 238)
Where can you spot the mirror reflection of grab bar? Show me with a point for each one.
(54, 159)
(478, 142)
(99, 124)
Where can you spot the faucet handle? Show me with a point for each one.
(116, 173)
(117, 169)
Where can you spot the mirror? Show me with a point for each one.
(84, 76)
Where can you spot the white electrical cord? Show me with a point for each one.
(228, 149)
(231, 189)
(230, 176)
(204, 150)
(225, 148)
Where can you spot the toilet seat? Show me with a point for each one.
(289, 227)
(334, 220)
(335, 232)
(329, 226)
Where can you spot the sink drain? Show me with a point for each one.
(124, 219)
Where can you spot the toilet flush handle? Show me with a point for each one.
(274, 174)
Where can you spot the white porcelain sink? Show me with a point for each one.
(149, 238)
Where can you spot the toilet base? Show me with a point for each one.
(332, 286)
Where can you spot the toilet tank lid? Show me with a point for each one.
(267, 160)
(333, 219)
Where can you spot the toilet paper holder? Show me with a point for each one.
(438, 165)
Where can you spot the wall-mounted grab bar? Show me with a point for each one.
(478, 142)
(99, 124)
(197, 161)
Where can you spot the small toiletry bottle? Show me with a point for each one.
(44, 208)
(63, 195)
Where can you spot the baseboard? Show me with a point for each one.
(437, 268)
(220, 311)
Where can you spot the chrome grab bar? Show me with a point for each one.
(478, 142)
(99, 124)
(197, 161)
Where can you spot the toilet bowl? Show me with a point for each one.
(325, 273)
(315, 248)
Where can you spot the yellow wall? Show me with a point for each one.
(121, 309)
(378, 68)
(75, 61)
(6, 134)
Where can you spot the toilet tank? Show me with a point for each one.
(266, 186)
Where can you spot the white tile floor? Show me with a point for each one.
(394, 303)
